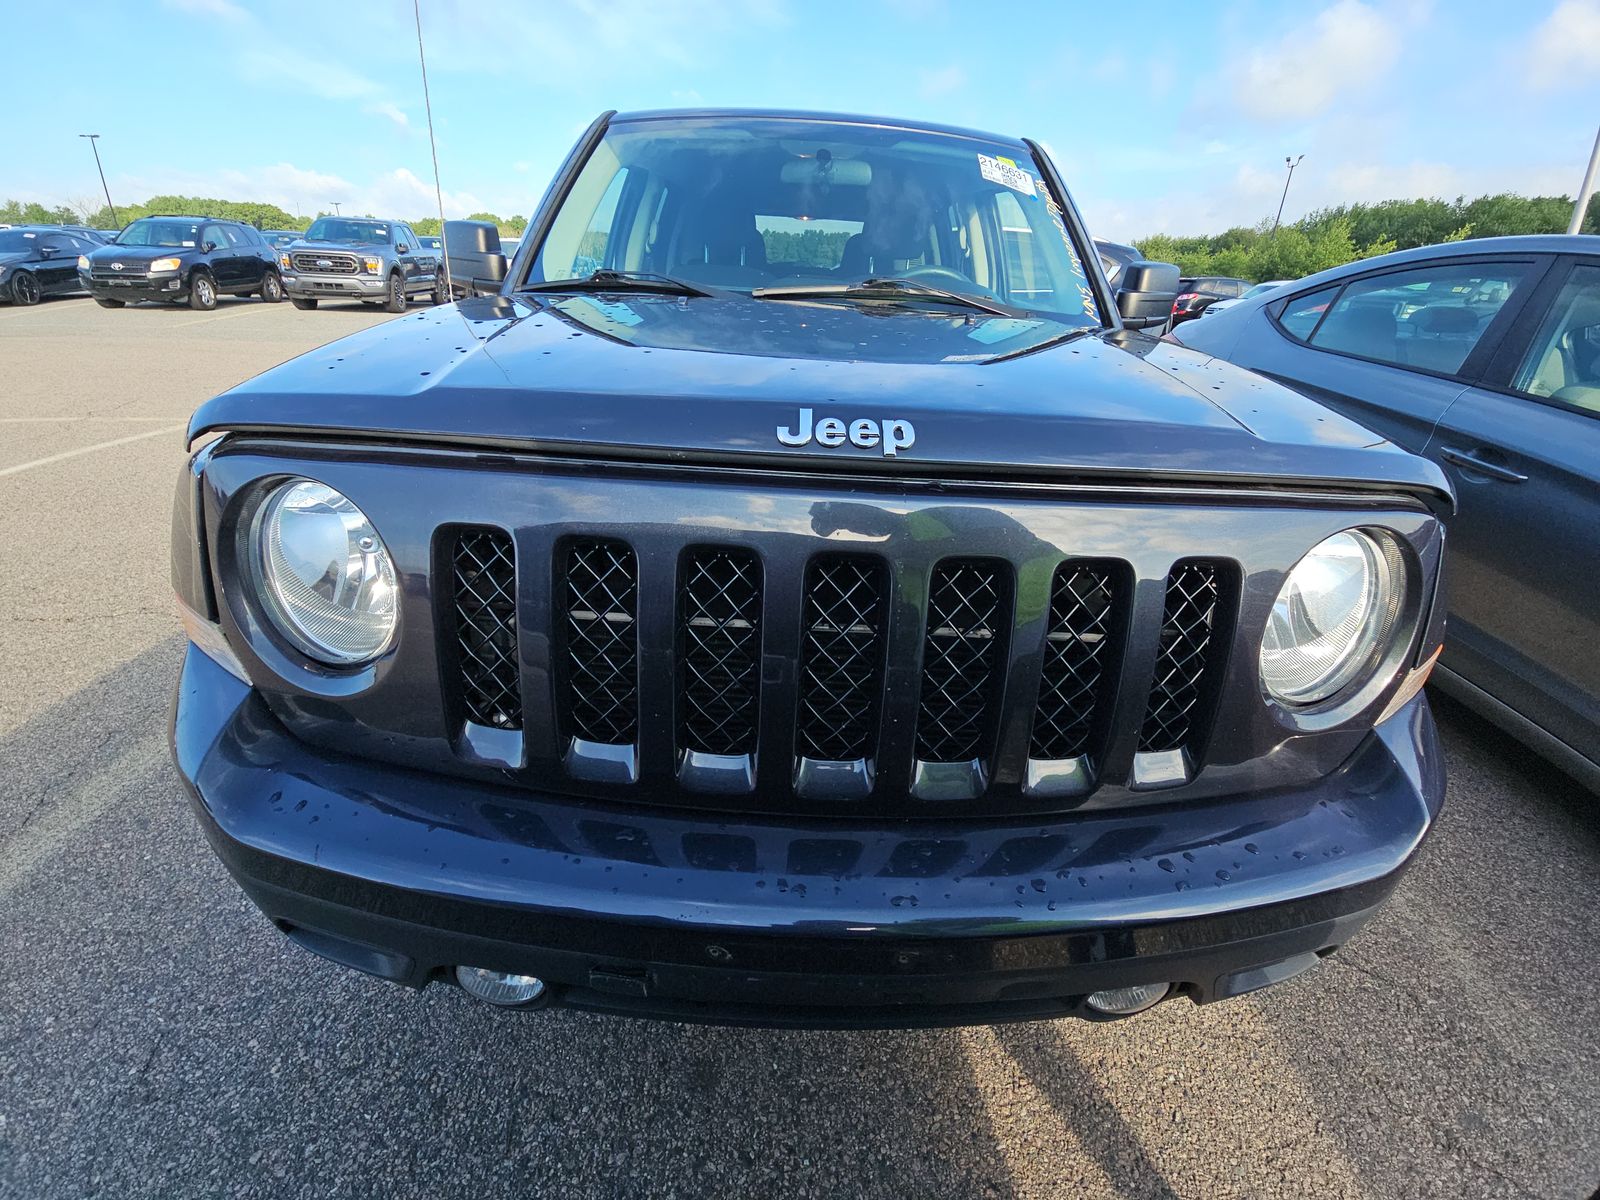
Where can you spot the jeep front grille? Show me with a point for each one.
(315, 262)
(1188, 663)
(841, 673)
(1080, 661)
(719, 612)
(601, 603)
(969, 615)
(484, 607)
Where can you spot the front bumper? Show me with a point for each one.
(171, 286)
(361, 287)
(783, 921)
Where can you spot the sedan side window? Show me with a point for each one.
(1563, 361)
(1299, 317)
(1429, 318)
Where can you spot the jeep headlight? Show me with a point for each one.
(326, 578)
(1333, 617)
(164, 264)
(373, 265)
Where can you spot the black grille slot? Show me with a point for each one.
(485, 604)
(323, 264)
(1079, 661)
(601, 680)
(841, 676)
(963, 660)
(1189, 659)
(720, 650)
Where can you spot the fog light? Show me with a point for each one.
(1122, 1002)
(499, 987)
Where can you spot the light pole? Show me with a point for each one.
(93, 140)
(1581, 205)
(1291, 163)
(335, 204)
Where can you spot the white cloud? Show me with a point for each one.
(933, 84)
(387, 108)
(1346, 47)
(223, 9)
(302, 73)
(1564, 50)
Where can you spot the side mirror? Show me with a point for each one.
(208, 247)
(402, 248)
(1145, 293)
(47, 251)
(477, 263)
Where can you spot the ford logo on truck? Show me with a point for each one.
(892, 435)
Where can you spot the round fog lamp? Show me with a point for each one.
(500, 987)
(328, 581)
(1125, 1001)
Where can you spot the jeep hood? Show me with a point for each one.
(675, 379)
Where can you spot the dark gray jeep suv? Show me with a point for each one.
(792, 592)
(358, 258)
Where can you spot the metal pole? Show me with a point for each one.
(1581, 207)
(1291, 163)
(94, 139)
(336, 211)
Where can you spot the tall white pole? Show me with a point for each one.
(1587, 190)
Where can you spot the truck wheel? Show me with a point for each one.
(441, 291)
(202, 292)
(303, 303)
(395, 300)
(104, 303)
(271, 287)
(25, 288)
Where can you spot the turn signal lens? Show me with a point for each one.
(373, 265)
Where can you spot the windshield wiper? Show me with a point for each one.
(881, 289)
(608, 280)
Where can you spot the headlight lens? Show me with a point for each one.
(1336, 610)
(327, 579)
(83, 262)
(373, 265)
(163, 264)
(283, 261)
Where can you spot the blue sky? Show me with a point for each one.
(1170, 117)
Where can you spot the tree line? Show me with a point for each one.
(262, 216)
(1331, 237)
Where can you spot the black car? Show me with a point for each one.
(38, 261)
(1114, 257)
(1196, 293)
(361, 258)
(789, 594)
(177, 259)
(1484, 356)
(280, 239)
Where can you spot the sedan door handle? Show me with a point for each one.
(1469, 461)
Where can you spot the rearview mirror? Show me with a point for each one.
(1145, 293)
(477, 263)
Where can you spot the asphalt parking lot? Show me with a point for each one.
(157, 1038)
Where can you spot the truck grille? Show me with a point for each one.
(1080, 649)
(836, 679)
(1186, 665)
(720, 660)
(841, 673)
(602, 643)
(316, 262)
(484, 607)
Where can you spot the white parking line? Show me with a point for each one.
(66, 454)
(70, 420)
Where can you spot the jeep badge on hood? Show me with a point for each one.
(893, 435)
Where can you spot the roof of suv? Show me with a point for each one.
(792, 114)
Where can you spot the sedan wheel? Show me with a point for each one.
(202, 292)
(25, 288)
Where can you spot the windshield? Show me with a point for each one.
(747, 203)
(339, 229)
(160, 231)
(13, 241)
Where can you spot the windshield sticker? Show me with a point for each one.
(188, 244)
(1006, 173)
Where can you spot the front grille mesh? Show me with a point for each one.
(311, 262)
(1078, 661)
(602, 650)
(1186, 661)
(485, 606)
(841, 674)
(720, 659)
(962, 660)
